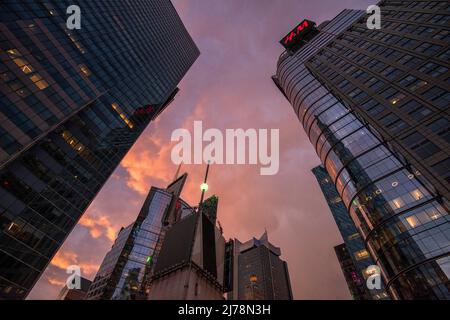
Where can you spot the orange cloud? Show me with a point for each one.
(56, 282)
(150, 159)
(64, 259)
(98, 227)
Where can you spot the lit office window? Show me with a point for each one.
(361, 254)
(122, 115)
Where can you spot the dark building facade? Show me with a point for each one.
(352, 275)
(127, 267)
(191, 261)
(72, 103)
(75, 294)
(256, 270)
(355, 250)
(399, 206)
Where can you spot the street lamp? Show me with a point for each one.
(204, 187)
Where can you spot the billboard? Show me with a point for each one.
(305, 30)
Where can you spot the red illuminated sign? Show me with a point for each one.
(145, 110)
(297, 35)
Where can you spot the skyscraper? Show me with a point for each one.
(126, 268)
(345, 93)
(72, 104)
(352, 254)
(254, 271)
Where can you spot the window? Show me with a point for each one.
(438, 96)
(397, 203)
(8, 143)
(413, 139)
(397, 126)
(85, 70)
(427, 149)
(412, 221)
(420, 113)
(388, 119)
(397, 98)
(442, 35)
(122, 115)
(417, 194)
(445, 56)
(361, 254)
(391, 72)
(373, 107)
(433, 69)
(428, 48)
(26, 68)
(443, 169)
(441, 127)
(412, 82)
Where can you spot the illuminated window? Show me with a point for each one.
(433, 213)
(122, 115)
(361, 254)
(35, 78)
(26, 68)
(13, 228)
(85, 70)
(353, 236)
(412, 221)
(417, 195)
(397, 203)
(38, 81)
(13, 53)
(41, 84)
(76, 43)
(397, 98)
(73, 142)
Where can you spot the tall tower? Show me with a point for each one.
(352, 254)
(72, 104)
(190, 265)
(356, 91)
(128, 266)
(255, 271)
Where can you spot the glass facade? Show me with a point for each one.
(397, 79)
(72, 103)
(352, 254)
(128, 265)
(352, 275)
(403, 220)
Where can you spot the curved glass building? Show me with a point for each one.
(402, 219)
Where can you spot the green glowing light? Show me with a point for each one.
(204, 186)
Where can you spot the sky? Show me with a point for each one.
(228, 87)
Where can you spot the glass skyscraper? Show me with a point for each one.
(127, 267)
(352, 254)
(399, 206)
(72, 103)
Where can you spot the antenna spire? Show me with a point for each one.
(177, 172)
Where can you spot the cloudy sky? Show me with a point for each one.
(228, 87)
